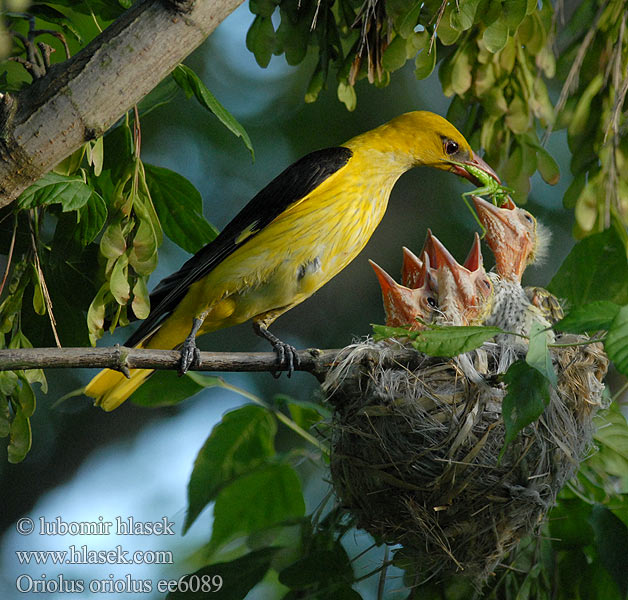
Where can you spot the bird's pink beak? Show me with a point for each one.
(479, 163)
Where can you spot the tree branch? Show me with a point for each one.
(79, 99)
(121, 358)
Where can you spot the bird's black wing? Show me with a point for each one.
(288, 187)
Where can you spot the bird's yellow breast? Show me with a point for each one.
(304, 247)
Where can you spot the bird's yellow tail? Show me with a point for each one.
(111, 388)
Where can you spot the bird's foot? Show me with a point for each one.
(287, 355)
(190, 355)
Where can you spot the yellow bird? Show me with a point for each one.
(296, 234)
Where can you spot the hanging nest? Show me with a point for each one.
(415, 449)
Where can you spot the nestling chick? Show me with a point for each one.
(404, 306)
(464, 291)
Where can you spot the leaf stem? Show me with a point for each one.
(287, 421)
(583, 343)
(619, 392)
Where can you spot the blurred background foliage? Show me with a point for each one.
(540, 86)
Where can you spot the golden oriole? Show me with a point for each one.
(296, 234)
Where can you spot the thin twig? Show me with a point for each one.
(311, 360)
(9, 256)
(42, 283)
(382, 576)
(439, 16)
(314, 361)
(287, 421)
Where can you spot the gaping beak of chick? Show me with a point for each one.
(464, 291)
(403, 305)
(418, 273)
(510, 233)
(479, 163)
(412, 270)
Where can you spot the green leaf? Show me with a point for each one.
(191, 84)
(527, 396)
(580, 119)
(180, 208)
(315, 85)
(518, 117)
(446, 33)
(257, 500)
(461, 78)
(611, 541)
(143, 253)
(595, 269)
(611, 436)
(394, 56)
(462, 18)
(141, 298)
(237, 445)
(303, 412)
(569, 524)
(5, 413)
(69, 191)
(112, 243)
(616, 342)
(346, 95)
(166, 388)
(425, 61)
(548, 167)
(597, 584)
(225, 581)
(260, 40)
(514, 12)
(322, 566)
(26, 397)
(538, 355)
(384, 331)
(265, 8)
(440, 341)
(20, 439)
(104, 9)
(95, 152)
(408, 20)
(164, 93)
(574, 190)
(495, 36)
(589, 318)
(96, 313)
(91, 219)
(587, 203)
(119, 282)
(454, 340)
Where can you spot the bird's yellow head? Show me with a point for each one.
(428, 139)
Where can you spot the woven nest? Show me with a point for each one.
(415, 450)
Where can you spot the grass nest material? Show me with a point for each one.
(415, 450)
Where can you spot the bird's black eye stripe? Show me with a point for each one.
(451, 147)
